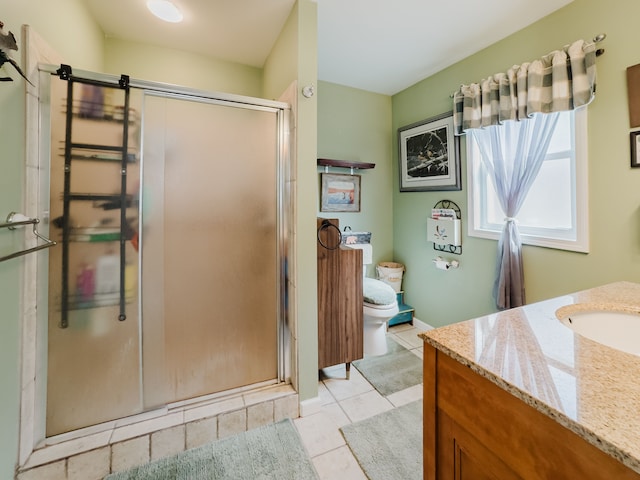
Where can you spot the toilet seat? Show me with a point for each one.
(373, 306)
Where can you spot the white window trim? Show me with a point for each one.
(581, 243)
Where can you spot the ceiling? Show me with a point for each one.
(382, 46)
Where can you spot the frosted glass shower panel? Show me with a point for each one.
(93, 356)
(210, 243)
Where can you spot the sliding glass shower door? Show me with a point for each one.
(210, 247)
(170, 285)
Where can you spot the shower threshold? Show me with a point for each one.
(230, 412)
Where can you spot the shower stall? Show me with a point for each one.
(170, 210)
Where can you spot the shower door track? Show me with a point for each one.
(160, 87)
(157, 413)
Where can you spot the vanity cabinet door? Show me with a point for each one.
(462, 457)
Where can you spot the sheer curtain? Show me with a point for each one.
(511, 117)
(513, 153)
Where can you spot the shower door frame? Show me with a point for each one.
(34, 299)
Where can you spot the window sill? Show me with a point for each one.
(534, 241)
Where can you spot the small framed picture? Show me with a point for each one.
(340, 193)
(635, 149)
(429, 155)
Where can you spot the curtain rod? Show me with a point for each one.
(597, 39)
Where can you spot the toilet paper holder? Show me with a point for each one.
(442, 264)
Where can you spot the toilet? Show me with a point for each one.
(379, 306)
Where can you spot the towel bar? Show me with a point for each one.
(15, 220)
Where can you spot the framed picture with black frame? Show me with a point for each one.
(429, 155)
(635, 148)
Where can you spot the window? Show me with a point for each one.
(555, 212)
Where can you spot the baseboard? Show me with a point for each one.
(420, 325)
(310, 406)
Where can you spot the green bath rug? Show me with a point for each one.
(394, 371)
(389, 445)
(269, 452)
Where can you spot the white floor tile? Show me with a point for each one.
(167, 442)
(341, 388)
(232, 423)
(405, 396)
(335, 411)
(93, 465)
(400, 328)
(129, 454)
(286, 407)
(411, 337)
(53, 471)
(365, 405)
(339, 463)
(201, 432)
(319, 433)
(402, 342)
(324, 394)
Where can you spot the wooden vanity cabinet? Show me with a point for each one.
(475, 430)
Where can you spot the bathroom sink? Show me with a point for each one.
(616, 329)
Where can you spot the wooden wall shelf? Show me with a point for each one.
(327, 162)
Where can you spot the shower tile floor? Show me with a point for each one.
(347, 401)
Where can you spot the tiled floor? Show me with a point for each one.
(340, 402)
(347, 401)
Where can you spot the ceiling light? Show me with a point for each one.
(165, 10)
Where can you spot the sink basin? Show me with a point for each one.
(616, 329)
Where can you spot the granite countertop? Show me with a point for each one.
(592, 389)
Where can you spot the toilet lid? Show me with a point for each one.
(377, 292)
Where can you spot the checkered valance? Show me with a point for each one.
(561, 80)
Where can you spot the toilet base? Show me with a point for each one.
(375, 338)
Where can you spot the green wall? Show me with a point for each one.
(294, 58)
(281, 66)
(306, 131)
(614, 197)
(355, 125)
(49, 20)
(166, 65)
